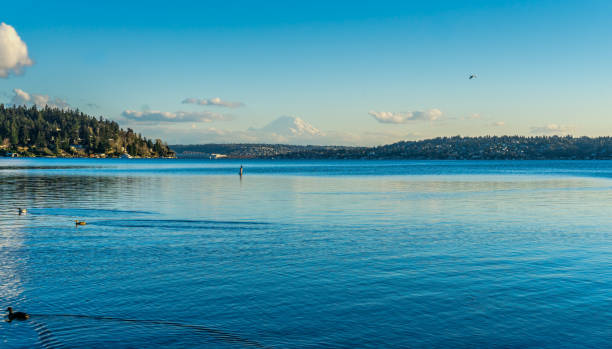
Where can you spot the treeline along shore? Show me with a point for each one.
(442, 148)
(53, 132)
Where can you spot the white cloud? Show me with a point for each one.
(552, 129)
(214, 135)
(213, 101)
(179, 116)
(13, 52)
(283, 130)
(402, 118)
(21, 97)
(498, 123)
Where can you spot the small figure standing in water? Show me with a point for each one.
(240, 170)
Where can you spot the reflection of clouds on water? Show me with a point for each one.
(11, 263)
(13, 251)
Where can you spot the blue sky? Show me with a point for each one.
(353, 73)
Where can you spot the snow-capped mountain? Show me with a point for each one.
(291, 126)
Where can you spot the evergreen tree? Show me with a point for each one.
(48, 131)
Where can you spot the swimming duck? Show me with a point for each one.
(22, 210)
(77, 222)
(16, 315)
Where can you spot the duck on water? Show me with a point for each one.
(16, 315)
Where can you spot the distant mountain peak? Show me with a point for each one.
(291, 126)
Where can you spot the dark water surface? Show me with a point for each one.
(182, 253)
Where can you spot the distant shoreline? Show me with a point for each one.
(442, 148)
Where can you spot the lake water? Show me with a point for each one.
(305, 254)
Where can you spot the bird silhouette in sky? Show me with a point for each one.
(472, 76)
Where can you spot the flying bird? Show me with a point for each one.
(472, 76)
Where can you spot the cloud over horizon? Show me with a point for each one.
(13, 52)
(282, 130)
(179, 116)
(552, 129)
(213, 101)
(403, 118)
(21, 97)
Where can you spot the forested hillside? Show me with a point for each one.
(69, 133)
(442, 148)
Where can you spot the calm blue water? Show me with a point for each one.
(306, 254)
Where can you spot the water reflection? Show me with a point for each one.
(12, 263)
(14, 256)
